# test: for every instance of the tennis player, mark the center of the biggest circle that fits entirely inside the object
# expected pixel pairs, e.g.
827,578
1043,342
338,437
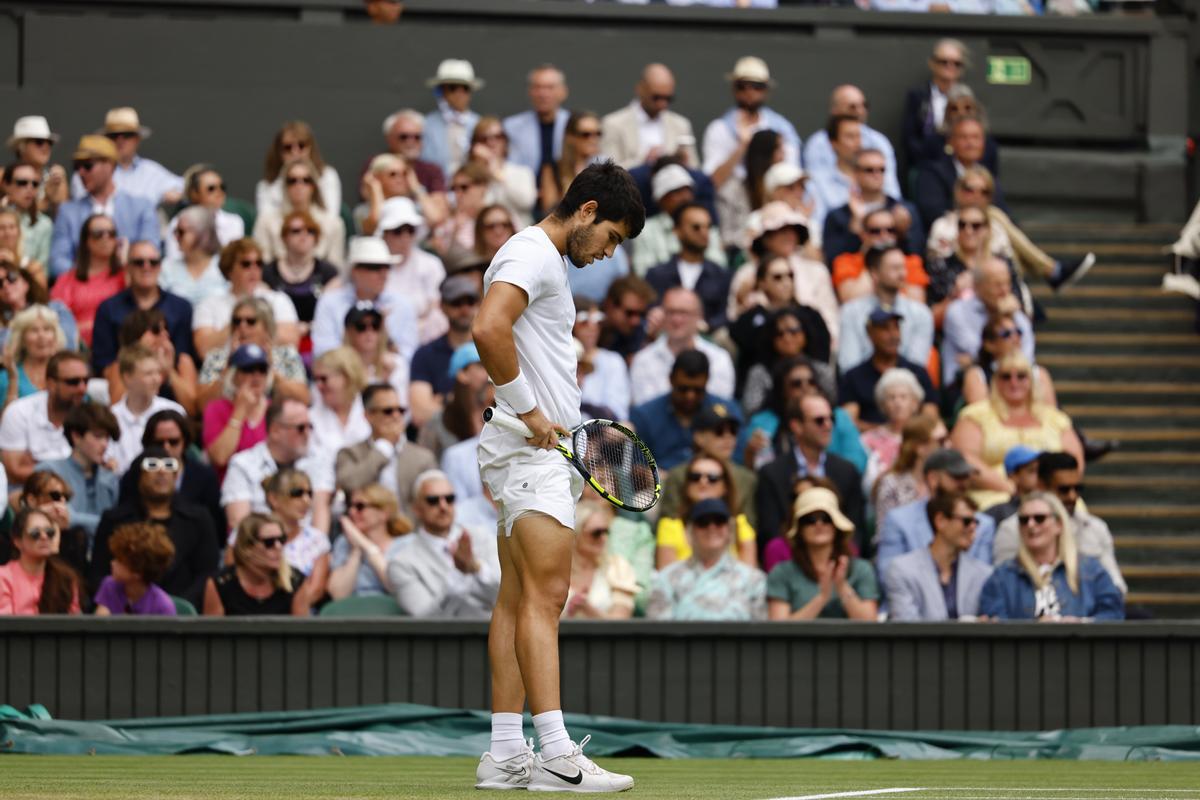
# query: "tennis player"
523,332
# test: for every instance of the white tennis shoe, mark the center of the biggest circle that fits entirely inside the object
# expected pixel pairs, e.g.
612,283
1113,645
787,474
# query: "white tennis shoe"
575,772
511,773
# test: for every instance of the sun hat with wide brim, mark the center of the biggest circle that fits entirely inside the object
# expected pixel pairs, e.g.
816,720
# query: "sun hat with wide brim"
458,71
819,499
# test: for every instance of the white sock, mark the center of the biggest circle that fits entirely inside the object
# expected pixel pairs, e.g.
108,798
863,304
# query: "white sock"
508,738
552,734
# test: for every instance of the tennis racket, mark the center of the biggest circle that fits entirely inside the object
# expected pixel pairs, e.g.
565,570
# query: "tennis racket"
609,456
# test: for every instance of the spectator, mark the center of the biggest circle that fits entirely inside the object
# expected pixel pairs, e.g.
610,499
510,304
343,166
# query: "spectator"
387,457
416,273
907,528
205,187
22,180
665,422
1059,474
1001,336
34,337
607,384
50,493
390,176
19,290
89,429
962,328
646,129
233,424
512,185
843,228
290,498
961,102
37,582
898,395
134,175
493,228
942,582
783,337
157,500
448,128
97,274
986,430
304,193
852,278
462,417
287,444
776,230
691,268
260,581
737,199
904,481
12,242
141,555
626,330
130,218
1050,580
866,318
364,334
404,133
672,188
444,570
142,376
727,138
193,272
859,392
925,105
337,412
431,376
31,430
714,435
535,137
369,264
820,156
787,183
454,239
295,141
810,423
384,12
580,147
32,141
253,324
1021,465
298,272
460,461
242,263
834,181
934,194
951,278
823,578
603,582
710,585
650,368
373,531
707,476
197,482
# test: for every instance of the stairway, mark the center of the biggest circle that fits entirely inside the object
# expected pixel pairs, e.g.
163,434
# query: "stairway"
1126,364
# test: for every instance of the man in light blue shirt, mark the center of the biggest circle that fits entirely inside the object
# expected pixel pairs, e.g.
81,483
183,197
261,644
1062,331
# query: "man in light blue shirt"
90,428
834,181
135,175
887,268
962,328
448,130
848,100
370,262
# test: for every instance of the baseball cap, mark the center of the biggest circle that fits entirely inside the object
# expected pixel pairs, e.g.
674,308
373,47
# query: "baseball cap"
711,507
248,355
714,416
1019,456
464,356
457,287
784,173
668,179
883,315
949,461
361,310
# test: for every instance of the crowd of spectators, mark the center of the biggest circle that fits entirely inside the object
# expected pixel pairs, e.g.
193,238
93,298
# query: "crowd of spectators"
273,407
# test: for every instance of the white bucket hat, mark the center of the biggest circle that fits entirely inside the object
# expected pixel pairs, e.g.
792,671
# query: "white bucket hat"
369,250
31,128
455,70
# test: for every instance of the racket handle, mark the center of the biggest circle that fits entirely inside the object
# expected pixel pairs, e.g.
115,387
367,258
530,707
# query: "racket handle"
506,422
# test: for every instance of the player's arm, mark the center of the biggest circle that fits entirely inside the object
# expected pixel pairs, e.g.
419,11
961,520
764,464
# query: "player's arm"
493,331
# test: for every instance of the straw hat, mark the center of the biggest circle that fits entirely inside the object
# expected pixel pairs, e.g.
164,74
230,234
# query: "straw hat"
819,499
123,120
455,70
751,68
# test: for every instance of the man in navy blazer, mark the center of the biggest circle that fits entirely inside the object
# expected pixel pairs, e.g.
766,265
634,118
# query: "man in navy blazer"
935,179
689,267
940,582
95,161
925,105
535,136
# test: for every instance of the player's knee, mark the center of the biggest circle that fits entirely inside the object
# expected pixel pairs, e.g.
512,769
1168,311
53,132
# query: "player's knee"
550,595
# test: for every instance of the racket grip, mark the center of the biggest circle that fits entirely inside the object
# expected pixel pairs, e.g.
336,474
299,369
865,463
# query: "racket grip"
506,422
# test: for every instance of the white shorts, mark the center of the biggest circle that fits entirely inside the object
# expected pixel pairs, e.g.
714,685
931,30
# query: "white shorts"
524,479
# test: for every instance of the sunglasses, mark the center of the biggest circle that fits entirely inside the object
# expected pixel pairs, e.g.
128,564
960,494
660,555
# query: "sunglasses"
37,534
709,521
84,166
293,180
73,381
103,233
1007,333
10,278
153,464
588,134
699,226
462,187
1012,375
145,262
890,231
117,135
251,263
823,420
436,499
975,226
1069,489
389,411
779,277
597,533
409,137
300,491
238,322
463,302
364,325
289,147
271,542
401,230
213,188
726,429
705,477
872,170
662,98
40,142
300,231
455,87
800,383
968,521
23,183
360,506
170,442
498,225
741,86
633,312
948,62
1036,519
976,189
56,496
816,517
298,427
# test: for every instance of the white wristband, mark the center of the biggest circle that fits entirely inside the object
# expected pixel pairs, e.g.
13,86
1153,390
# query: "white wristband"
517,395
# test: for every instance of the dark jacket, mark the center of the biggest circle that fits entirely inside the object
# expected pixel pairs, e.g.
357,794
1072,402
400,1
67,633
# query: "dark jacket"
755,346
923,141
774,496
191,531
712,287
838,238
1009,593
935,188
200,487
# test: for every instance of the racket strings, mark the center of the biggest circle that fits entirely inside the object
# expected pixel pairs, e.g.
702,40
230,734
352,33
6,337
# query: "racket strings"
617,463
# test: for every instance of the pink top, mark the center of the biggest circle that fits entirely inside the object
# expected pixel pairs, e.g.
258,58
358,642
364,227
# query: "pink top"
20,591
84,297
216,417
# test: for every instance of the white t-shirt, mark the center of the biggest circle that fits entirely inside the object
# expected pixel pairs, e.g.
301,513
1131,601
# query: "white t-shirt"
26,426
215,311
545,347
127,448
248,469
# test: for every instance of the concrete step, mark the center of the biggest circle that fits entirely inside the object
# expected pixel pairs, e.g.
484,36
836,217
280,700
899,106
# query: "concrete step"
1166,605
1047,234
1119,318
1141,413
1125,463
1051,341
1141,252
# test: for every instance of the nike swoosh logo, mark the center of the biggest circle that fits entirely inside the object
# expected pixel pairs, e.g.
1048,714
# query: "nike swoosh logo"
518,771
575,780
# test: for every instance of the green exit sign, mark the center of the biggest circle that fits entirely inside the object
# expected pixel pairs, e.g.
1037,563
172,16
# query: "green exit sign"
1009,70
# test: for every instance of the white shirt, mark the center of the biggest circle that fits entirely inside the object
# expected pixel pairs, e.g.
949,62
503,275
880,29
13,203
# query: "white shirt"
329,320
650,372
230,227
545,346
937,103
419,278
329,434
26,427
143,178
248,469
132,425
650,131
689,273
460,462
215,311
720,141
269,196
387,476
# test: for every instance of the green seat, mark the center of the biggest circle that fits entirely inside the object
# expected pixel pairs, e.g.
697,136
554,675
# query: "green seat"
184,608
243,209
372,605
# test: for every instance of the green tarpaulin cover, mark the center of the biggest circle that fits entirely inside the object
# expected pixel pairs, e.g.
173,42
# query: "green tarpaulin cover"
412,730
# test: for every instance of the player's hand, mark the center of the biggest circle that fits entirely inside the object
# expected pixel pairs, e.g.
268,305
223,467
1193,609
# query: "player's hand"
545,433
